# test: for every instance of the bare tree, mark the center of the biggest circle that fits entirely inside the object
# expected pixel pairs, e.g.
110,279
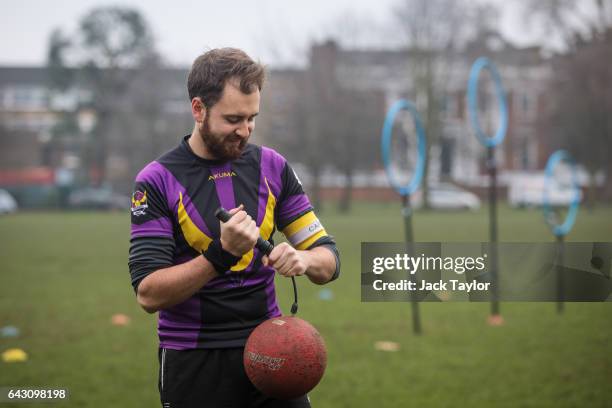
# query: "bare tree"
581,87
60,79
60,75
581,105
319,90
434,31
357,120
571,20
115,42
108,51
344,120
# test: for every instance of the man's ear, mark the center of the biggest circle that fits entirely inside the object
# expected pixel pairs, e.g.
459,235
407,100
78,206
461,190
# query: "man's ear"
198,109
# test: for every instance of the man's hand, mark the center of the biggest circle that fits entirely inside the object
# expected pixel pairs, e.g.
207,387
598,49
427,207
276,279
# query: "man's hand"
287,260
240,233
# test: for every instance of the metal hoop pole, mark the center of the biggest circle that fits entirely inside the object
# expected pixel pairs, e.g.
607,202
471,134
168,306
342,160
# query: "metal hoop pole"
408,233
492,166
406,190
560,277
489,142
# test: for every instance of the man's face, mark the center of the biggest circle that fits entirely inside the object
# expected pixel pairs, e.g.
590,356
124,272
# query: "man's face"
227,126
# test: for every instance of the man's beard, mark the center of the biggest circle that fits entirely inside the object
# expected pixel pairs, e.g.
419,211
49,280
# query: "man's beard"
222,147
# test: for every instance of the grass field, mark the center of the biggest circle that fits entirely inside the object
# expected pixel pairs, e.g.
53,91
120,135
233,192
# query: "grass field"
64,275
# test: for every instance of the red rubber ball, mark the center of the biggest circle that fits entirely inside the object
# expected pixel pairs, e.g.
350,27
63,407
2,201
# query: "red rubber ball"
285,357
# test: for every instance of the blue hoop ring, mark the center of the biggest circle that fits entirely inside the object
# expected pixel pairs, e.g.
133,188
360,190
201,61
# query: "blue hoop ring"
570,218
472,97
386,136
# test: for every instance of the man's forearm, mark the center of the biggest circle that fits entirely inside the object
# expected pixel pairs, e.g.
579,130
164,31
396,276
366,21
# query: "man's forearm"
321,264
170,286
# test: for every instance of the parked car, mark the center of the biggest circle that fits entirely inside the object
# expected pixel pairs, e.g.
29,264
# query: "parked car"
449,197
98,199
446,196
7,203
529,192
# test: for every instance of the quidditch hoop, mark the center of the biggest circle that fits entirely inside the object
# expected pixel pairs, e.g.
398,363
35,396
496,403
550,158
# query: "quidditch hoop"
570,218
472,96
387,133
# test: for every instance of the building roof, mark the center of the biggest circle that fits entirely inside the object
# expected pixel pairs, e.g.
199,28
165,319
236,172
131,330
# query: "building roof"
26,75
30,75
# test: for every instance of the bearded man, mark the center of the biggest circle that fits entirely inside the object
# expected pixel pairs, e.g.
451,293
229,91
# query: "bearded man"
208,282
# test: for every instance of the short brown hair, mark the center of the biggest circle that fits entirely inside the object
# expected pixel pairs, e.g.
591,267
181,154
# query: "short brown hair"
211,70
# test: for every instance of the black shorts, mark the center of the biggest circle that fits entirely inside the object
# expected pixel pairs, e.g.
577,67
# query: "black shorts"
211,378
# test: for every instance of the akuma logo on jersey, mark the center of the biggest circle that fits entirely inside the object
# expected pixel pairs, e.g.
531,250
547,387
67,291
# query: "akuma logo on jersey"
139,202
221,174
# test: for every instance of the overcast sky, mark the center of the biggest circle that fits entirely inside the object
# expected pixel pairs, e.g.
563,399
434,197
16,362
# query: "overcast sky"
276,32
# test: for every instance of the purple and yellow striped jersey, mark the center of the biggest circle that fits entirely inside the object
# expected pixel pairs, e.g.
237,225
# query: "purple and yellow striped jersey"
173,221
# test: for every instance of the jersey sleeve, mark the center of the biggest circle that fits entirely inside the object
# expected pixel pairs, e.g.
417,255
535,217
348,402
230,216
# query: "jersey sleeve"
296,218
151,242
150,213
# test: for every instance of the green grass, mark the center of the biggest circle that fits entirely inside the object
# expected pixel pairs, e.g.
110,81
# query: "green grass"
64,275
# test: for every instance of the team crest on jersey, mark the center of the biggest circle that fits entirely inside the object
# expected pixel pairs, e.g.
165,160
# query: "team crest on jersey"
139,202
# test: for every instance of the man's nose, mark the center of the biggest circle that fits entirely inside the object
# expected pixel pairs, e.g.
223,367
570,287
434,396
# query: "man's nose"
244,130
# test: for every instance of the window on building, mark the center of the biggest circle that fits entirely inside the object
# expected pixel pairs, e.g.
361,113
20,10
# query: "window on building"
26,98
